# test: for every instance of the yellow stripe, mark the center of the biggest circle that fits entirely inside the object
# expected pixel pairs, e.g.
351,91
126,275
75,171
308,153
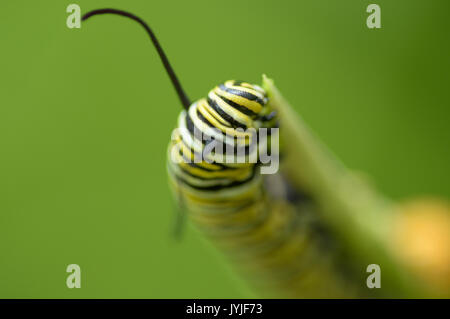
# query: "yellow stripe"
235,114
246,87
235,175
253,106
245,137
190,155
203,106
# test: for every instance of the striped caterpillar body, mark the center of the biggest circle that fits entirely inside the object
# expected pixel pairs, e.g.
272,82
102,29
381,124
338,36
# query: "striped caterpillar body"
274,244
229,109
277,242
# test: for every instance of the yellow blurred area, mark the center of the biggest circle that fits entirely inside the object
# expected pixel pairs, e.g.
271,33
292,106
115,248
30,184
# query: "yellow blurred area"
422,241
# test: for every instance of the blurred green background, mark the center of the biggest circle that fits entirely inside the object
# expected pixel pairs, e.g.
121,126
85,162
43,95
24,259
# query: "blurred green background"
86,116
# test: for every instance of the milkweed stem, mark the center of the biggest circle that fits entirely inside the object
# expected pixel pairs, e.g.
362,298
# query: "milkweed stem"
357,214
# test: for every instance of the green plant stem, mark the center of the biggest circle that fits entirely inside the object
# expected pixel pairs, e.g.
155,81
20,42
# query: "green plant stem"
359,216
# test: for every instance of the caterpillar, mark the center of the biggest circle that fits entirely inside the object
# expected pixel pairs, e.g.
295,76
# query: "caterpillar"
278,245
268,228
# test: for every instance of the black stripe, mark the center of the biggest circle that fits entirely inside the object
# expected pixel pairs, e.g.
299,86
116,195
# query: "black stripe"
218,187
192,151
201,177
205,120
247,95
247,148
213,104
222,168
207,139
192,164
192,128
237,106
208,170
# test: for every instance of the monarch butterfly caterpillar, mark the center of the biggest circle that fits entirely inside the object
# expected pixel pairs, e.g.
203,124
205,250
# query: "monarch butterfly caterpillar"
279,245
231,203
